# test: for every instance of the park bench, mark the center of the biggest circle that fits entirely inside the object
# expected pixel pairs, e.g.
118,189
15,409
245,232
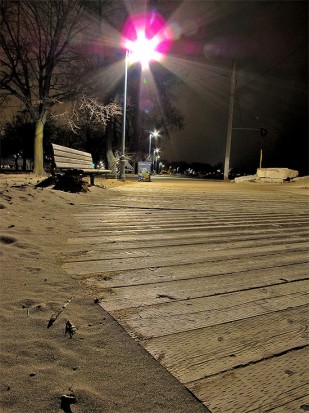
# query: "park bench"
74,162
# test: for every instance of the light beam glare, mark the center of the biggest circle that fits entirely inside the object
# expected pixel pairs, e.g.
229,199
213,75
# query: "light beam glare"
187,19
110,36
152,91
133,7
110,77
206,80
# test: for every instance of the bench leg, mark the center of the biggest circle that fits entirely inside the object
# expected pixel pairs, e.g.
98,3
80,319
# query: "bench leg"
91,179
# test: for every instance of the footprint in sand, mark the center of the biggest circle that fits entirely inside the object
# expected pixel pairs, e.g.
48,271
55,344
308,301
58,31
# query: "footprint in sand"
4,239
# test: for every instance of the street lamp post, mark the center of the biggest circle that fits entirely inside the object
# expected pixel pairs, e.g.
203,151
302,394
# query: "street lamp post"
149,152
157,164
123,145
154,133
141,48
230,124
156,156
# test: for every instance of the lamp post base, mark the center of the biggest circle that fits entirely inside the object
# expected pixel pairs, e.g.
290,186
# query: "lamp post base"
122,168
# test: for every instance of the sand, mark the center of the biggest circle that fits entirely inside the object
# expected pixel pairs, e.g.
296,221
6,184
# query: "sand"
100,368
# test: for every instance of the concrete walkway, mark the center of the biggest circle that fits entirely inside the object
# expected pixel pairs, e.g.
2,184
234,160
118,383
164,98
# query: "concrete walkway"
212,280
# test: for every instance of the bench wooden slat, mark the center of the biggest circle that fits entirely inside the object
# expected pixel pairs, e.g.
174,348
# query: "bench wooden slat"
69,151
96,171
65,158
72,163
66,155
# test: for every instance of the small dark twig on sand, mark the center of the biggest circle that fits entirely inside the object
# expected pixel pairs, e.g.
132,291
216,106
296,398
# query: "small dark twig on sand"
54,317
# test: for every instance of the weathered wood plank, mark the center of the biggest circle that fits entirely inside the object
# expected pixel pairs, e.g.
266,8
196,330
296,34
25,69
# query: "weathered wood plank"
264,295
117,261
106,220
192,355
300,405
220,225
94,239
178,316
227,208
182,247
141,295
109,279
257,387
142,211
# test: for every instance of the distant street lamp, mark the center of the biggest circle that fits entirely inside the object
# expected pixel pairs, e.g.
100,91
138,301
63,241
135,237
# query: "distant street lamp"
157,163
156,156
154,134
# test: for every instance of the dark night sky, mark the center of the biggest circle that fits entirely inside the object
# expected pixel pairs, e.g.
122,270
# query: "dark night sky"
268,39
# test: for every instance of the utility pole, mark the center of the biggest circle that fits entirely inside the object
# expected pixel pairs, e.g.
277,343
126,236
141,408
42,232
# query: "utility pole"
230,124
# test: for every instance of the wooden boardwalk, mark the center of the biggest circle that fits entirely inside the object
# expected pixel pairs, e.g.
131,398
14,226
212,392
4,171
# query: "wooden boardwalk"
212,279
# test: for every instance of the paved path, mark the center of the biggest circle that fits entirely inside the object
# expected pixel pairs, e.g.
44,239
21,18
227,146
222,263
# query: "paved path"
212,279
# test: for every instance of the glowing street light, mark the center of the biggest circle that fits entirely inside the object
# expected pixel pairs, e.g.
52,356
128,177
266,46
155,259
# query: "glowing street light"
145,38
156,158
154,134
143,50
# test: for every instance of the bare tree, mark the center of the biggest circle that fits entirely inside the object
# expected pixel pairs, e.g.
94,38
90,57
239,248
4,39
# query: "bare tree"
38,55
91,114
44,61
88,109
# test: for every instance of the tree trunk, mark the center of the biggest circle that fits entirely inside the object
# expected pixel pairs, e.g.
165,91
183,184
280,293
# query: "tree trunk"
38,168
16,162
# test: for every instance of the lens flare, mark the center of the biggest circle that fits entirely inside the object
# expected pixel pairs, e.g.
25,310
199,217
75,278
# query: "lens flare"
147,37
